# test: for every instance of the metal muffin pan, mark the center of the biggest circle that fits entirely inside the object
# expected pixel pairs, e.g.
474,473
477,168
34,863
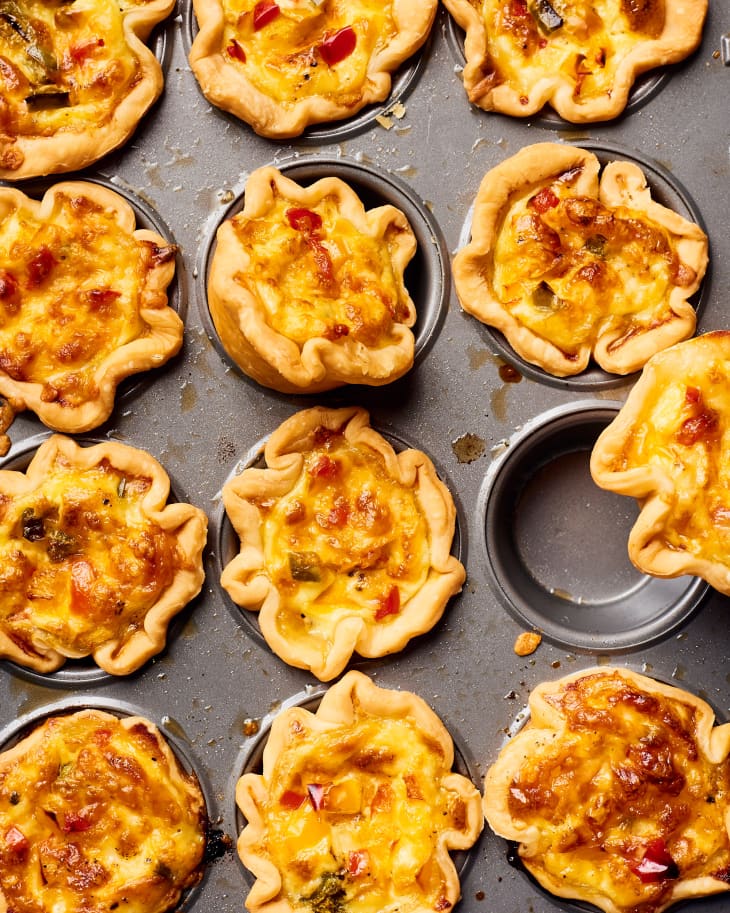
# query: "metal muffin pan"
188,163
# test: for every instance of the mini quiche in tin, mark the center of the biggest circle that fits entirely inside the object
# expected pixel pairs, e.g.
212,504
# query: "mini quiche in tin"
345,544
306,288
357,807
93,560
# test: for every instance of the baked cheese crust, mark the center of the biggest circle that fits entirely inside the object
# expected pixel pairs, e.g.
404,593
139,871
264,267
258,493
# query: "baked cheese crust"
75,78
83,302
281,66
580,56
93,561
668,447
617,792
357,807
569,265
345,545
306,287
97,814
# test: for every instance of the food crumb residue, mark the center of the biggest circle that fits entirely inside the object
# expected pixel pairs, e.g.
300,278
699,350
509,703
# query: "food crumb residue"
527,643
468,447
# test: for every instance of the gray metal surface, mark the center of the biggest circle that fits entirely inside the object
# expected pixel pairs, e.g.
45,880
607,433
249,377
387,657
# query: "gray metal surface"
200,417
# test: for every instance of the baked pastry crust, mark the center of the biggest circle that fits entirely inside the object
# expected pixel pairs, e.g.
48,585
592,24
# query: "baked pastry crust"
357,801
75,82
617,792
581,58
570,266
345,545
284,66
306,287
668,448
94,560
83,302
103,808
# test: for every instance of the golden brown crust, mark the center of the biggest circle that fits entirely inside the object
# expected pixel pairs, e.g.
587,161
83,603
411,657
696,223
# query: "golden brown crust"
104,808
82,545
306,89
355,294
515,67
616,791
535,218
68,144
125,268
345,545
667,448
355,707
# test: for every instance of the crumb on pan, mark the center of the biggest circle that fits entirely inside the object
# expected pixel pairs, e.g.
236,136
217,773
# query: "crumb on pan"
527,643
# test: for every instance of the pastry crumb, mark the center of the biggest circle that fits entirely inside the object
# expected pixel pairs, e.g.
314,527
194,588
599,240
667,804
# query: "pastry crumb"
398,110
384,121
527,643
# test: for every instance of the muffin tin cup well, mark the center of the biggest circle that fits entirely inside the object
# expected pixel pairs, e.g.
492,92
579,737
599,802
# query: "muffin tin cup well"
226,545
79,673
556,544
427,276
666,190
14,732
250,760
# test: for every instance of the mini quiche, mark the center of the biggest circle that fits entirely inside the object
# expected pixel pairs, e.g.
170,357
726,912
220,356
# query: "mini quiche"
75,79
83,302
345,544
617,792
569,265
580,56
306,288
669,447
93,560
282,66
357,807
97,814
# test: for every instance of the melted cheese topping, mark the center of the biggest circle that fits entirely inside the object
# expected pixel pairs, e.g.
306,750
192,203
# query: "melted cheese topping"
71,289
623,785
63,66
348,539
683,431
283,58
331,281
80,563
570,269
587,49
354,815
94,818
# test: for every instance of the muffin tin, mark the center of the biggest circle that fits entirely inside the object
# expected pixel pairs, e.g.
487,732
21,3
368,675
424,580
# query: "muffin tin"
511,443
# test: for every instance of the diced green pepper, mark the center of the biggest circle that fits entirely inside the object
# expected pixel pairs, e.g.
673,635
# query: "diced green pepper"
304,566
545,15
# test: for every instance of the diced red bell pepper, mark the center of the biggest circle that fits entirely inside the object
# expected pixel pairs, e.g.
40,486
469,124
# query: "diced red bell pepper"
40,266
235,51
389,605
543,200
16,841
264,12
338,46
304,220
324,467
316,795
656,864
291,799
76,822
358,862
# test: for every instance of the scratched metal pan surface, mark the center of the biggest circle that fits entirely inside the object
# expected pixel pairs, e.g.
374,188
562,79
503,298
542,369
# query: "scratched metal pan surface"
493,432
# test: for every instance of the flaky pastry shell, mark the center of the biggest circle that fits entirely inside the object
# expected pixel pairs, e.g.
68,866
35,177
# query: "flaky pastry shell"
95,561
668,447
305,63
304,309
616,791
345,544
108,77
518,59
568,265
104,808
368,754
85,292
